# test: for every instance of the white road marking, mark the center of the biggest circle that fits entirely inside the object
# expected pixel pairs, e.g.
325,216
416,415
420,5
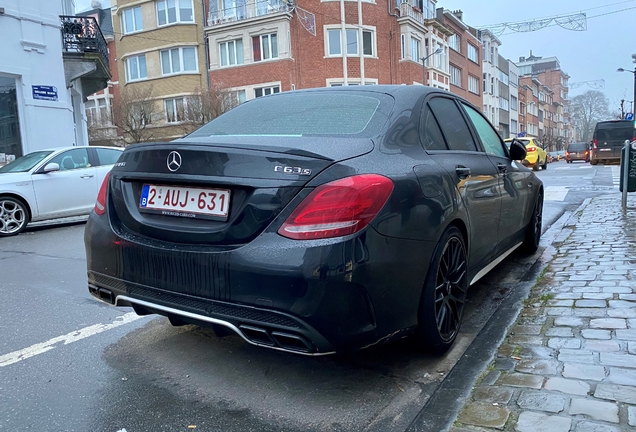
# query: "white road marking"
555,193
616,176
40,348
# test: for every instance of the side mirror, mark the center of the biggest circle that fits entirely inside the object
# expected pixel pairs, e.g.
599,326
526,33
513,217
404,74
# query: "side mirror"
50,167
517,150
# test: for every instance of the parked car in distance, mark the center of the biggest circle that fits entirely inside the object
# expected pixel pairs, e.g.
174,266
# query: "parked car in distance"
555,155
577,151
51,184
608,140
536,157
334,219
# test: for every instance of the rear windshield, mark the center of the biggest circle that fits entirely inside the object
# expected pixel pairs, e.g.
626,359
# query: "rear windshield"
301,113
614,131
577,146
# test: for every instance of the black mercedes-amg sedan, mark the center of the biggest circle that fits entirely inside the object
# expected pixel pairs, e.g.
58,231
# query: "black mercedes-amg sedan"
316,221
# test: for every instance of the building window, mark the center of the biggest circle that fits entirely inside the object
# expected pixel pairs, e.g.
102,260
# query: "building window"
403,46
472,53
455,76
473,84
503,77
131,20
334,45
178,60
98,112
455,42
174,110
513,127
236,97
173,11
351,82
514,79
265,47
503,103
264,91
415,50
513,103
231,52
135,68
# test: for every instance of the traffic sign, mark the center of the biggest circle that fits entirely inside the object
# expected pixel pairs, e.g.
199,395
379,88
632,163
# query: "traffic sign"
629,116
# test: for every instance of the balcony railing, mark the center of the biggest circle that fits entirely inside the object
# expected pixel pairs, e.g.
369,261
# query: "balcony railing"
83,35
408,10
242,10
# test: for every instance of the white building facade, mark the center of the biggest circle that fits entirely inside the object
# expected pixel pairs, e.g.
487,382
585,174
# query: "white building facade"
41,88
490,63
513,86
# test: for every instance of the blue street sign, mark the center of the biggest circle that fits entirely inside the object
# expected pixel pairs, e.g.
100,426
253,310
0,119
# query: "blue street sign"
43,92
521,134
629,116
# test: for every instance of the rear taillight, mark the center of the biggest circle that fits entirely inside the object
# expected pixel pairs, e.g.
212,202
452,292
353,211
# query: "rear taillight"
531,149
100,204
338,208
595,143
586,152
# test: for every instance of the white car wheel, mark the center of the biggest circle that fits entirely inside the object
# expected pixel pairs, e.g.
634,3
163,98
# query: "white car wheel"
13,216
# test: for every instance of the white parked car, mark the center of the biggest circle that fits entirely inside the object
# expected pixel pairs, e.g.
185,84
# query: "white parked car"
51,184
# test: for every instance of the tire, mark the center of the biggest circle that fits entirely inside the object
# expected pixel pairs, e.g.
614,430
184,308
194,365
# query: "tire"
594,162
14,216
444,294
545,165
535,167
533,230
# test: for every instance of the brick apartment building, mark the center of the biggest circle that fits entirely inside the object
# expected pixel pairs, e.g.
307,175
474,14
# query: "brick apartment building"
549,86
161,53
465,58
260,47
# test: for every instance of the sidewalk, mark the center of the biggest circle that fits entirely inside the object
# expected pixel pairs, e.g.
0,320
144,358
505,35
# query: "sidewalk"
569,361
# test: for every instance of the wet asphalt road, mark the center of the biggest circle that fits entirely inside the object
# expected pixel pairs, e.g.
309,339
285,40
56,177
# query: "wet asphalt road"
67,364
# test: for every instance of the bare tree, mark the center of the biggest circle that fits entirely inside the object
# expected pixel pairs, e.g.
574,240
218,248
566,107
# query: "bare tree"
133,112
206,104
586,110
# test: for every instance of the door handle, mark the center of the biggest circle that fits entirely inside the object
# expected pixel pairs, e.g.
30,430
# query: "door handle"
86,176
462,171
502,167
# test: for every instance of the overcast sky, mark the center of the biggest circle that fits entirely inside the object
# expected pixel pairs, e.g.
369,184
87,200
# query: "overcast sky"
594,54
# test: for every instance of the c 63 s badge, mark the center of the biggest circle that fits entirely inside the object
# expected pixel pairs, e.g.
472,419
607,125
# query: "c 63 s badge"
292,170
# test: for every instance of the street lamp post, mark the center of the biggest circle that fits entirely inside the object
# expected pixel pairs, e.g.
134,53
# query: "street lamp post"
437,51
634,72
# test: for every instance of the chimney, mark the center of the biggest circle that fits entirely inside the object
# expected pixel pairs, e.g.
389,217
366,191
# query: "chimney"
459,14
522,59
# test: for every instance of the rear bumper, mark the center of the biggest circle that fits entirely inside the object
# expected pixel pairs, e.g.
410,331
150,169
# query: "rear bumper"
310,297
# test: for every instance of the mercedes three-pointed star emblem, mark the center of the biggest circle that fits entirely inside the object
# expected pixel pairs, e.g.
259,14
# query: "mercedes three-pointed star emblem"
174,161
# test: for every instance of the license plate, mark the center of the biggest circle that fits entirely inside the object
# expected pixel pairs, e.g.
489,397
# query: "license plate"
605,149
185,201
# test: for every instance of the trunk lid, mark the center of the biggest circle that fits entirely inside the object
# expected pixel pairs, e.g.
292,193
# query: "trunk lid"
257,181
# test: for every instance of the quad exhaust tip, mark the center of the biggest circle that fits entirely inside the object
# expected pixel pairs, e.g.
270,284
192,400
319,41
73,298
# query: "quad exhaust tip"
287,341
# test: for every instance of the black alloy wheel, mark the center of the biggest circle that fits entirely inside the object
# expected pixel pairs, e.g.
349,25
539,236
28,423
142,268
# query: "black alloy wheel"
533,232
13,216
444,294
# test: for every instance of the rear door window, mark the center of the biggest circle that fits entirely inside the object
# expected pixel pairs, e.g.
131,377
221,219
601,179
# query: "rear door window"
490,139
452,123
108,156
431,134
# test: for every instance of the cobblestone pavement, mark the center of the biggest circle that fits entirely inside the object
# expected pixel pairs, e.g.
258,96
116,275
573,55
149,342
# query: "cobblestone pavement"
569,361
